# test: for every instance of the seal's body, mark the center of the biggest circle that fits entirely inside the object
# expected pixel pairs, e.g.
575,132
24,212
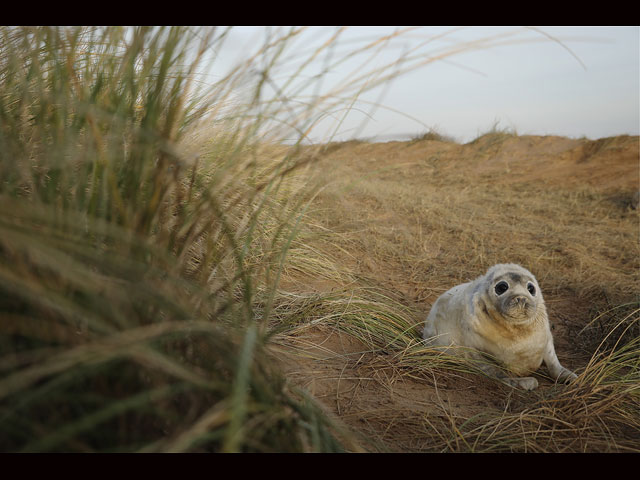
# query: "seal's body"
501,314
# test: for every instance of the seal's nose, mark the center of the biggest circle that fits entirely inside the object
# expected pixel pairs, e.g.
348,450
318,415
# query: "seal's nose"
520,300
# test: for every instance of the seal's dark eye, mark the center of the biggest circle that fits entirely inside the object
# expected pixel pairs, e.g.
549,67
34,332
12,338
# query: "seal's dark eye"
501,287
531,288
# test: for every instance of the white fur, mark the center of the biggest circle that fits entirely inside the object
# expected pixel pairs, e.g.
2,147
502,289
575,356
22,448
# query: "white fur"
512,327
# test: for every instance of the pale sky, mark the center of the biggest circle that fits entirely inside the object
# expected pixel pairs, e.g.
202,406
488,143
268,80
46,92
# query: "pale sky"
587,85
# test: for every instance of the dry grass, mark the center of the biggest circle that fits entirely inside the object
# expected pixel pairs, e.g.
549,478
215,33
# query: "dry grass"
397,224
148,219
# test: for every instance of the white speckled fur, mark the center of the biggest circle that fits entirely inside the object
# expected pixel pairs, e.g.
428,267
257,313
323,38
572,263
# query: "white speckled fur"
512,327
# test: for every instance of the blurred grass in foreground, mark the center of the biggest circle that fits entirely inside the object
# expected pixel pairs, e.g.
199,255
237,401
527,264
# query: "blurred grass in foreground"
137,225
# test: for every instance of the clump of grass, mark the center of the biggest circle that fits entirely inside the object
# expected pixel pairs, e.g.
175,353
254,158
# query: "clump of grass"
136,224
431,135
494,136
610,328
381,323
596,413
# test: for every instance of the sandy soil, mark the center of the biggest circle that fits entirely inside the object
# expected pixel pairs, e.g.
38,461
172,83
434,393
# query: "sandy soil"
415,218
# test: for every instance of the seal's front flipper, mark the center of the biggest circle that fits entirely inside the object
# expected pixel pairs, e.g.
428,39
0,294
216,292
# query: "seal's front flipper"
526,383
557,371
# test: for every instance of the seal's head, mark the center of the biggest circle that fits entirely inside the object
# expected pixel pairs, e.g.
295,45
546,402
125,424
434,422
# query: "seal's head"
513,292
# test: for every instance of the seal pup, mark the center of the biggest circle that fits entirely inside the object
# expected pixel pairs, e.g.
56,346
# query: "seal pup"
501,314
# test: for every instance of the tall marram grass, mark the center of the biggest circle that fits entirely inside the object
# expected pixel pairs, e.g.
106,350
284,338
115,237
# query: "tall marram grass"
139,220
